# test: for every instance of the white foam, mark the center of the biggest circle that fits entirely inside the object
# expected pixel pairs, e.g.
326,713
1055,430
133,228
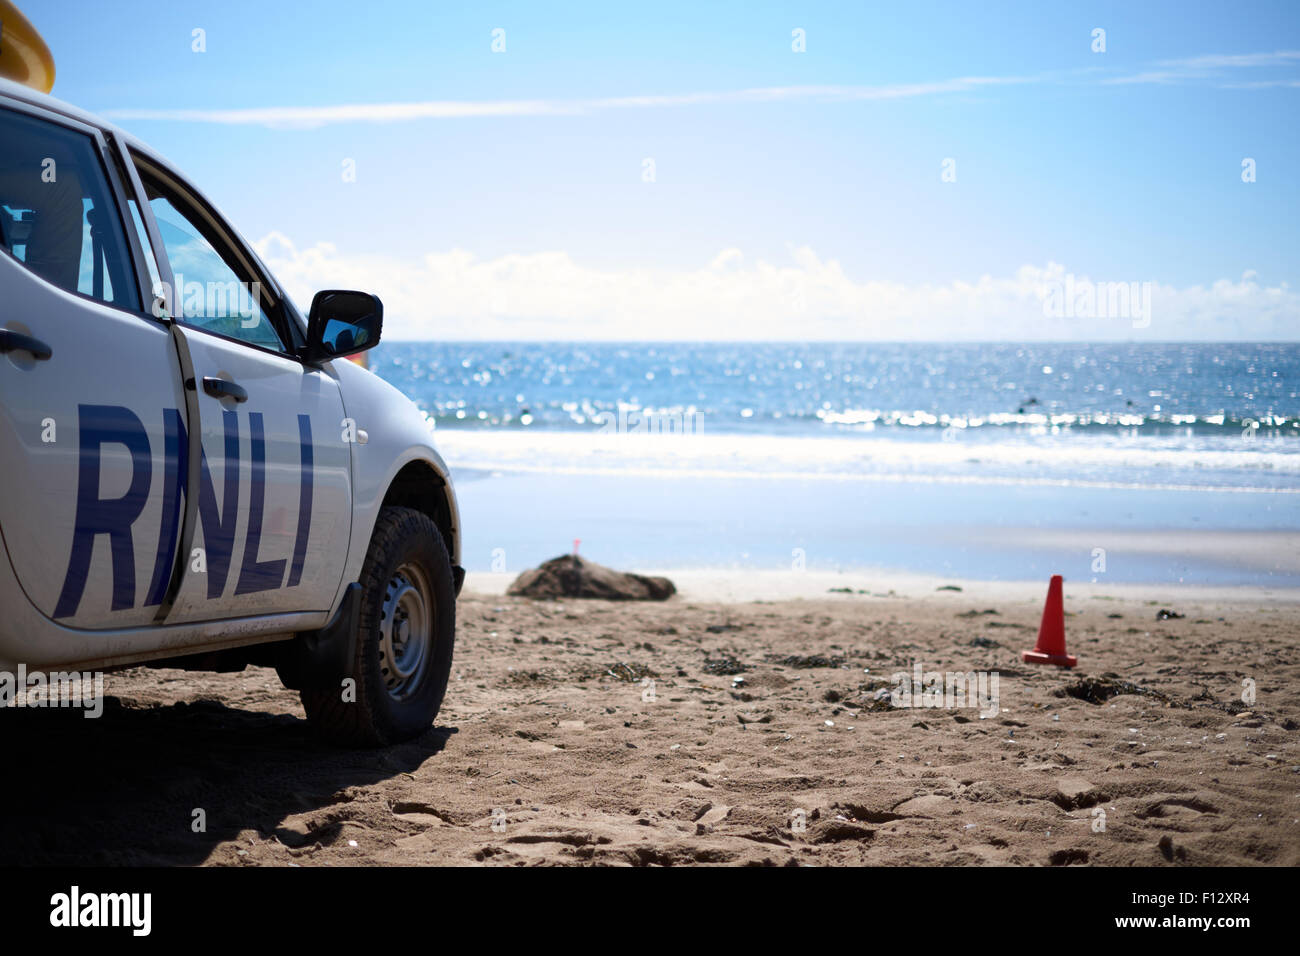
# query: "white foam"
1110,461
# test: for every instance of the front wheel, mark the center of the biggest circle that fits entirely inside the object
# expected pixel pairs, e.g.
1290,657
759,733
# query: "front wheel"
405,640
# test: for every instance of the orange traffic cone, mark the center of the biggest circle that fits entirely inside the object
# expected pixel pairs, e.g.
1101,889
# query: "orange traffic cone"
1050,648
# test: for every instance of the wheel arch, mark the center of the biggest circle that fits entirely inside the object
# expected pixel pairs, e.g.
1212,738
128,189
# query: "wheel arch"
420,485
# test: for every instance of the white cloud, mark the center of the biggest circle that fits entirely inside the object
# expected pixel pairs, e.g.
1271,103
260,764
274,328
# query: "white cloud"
1263,85
1153,76
307,117
1223,60
548,295
310,117
1212,65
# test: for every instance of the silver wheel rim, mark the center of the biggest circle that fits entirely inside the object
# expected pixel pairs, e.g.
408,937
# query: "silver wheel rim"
405,631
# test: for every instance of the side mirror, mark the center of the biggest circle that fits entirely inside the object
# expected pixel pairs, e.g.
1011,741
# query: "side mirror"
342,323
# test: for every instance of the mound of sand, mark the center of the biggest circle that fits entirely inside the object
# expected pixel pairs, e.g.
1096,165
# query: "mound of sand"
570,576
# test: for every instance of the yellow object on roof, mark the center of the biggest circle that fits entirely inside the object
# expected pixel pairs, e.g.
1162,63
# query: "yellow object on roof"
24,57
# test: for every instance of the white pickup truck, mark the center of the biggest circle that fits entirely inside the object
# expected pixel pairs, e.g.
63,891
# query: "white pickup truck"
190,473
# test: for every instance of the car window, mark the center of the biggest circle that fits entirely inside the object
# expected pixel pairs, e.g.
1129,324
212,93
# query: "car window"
210,292
57,213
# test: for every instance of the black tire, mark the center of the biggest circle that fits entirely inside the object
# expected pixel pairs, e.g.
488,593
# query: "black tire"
396,698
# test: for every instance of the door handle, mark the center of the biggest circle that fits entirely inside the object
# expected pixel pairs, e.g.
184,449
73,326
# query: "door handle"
222,388
11,341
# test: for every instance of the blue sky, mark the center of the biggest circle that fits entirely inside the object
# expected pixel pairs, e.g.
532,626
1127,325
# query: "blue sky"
812,208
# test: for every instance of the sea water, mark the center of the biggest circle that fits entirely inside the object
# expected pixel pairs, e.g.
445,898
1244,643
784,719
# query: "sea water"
992,461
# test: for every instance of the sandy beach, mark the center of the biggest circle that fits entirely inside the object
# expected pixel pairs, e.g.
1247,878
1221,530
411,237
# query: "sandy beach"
742,722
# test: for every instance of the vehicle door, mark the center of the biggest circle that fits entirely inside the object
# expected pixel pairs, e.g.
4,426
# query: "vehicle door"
274,503
89,383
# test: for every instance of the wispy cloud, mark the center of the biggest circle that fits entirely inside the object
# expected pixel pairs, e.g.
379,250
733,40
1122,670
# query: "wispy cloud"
315,116
1262,85
1214,61
1207,66
1212,66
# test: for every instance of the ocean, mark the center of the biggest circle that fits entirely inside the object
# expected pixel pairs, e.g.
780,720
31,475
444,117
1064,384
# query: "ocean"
981,461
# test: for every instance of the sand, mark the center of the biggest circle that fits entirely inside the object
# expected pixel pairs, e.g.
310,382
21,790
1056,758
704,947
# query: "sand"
553,749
